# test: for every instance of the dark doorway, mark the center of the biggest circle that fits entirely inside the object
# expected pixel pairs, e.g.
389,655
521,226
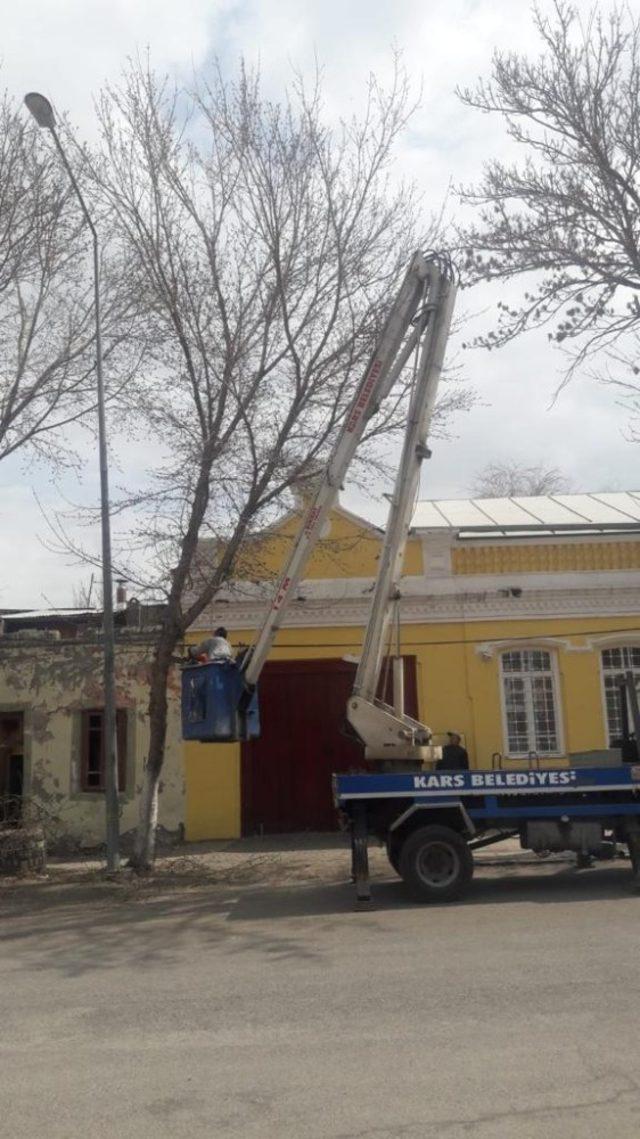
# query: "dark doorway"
286,774
11,764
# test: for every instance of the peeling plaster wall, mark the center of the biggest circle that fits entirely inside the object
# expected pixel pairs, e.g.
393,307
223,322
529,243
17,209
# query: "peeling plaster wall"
52,682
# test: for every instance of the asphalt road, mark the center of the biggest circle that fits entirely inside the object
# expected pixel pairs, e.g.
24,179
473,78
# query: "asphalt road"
261,1012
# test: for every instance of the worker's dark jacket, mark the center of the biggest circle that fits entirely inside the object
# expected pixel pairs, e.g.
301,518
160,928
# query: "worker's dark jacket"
454,758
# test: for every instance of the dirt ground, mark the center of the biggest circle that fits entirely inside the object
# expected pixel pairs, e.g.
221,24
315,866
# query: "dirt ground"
278,861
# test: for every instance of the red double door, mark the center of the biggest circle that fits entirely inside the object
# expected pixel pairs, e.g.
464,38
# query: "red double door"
286,774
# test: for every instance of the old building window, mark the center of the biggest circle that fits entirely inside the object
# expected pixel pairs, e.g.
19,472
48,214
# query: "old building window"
92,767
530,702
616,663
11,764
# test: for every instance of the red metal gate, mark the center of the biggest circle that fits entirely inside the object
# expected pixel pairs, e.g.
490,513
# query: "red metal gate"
286,774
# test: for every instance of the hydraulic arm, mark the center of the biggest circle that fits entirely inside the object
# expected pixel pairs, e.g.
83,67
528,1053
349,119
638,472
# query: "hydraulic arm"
415,334
389,735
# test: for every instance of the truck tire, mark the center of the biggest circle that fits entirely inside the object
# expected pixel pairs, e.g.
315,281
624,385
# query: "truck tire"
393,854
436,864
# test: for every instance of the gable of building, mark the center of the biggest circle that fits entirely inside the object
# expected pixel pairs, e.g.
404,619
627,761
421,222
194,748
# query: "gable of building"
349,547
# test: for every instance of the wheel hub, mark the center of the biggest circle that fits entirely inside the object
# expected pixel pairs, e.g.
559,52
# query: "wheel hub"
438,864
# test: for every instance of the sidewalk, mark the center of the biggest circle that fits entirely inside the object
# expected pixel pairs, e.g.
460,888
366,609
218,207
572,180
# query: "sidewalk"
271,861
305,842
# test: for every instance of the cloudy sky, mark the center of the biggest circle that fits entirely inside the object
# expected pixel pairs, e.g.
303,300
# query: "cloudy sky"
68,48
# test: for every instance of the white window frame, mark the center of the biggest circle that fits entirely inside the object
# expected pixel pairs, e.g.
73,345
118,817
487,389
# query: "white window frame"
555,693
622,644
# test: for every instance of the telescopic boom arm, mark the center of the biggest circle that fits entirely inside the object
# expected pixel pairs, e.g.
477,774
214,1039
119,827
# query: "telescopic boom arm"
417,325
387,733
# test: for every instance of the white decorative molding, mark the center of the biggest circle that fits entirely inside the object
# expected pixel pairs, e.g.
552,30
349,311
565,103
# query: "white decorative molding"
436,555
463,540
431,608
612,640
487,650
424,585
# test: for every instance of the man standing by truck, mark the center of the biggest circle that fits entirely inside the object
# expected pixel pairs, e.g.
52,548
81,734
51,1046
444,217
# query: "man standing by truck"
454,755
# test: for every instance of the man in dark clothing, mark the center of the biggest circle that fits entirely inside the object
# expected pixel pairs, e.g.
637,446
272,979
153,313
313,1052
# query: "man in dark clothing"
454,755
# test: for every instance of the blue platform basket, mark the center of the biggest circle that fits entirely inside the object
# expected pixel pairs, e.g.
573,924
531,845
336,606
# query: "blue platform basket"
216,706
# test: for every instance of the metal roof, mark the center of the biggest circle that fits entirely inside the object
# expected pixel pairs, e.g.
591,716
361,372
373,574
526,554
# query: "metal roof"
528,514
38,614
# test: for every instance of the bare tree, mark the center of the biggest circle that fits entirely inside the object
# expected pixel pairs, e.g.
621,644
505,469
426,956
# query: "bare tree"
566,218
47,352
263,245
86,594
509,478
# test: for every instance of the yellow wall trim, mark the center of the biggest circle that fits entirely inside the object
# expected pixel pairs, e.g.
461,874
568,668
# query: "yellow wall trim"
547,558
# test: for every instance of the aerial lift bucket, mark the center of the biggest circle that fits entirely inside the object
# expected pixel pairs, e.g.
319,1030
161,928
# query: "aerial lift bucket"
217,706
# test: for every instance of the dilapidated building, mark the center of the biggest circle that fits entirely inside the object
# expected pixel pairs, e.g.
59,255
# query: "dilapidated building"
51,717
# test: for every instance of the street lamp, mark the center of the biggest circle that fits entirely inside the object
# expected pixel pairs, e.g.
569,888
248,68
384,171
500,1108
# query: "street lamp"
42,112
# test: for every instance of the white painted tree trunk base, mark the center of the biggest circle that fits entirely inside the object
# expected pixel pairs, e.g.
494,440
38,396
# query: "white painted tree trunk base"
145,841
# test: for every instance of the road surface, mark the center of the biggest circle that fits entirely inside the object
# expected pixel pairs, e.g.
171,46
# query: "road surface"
275,1011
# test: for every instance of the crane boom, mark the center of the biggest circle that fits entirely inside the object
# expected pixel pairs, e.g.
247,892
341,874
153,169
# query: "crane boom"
437,312
403,332
219,700
387,732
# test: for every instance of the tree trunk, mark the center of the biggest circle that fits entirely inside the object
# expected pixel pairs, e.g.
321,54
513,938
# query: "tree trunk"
145,840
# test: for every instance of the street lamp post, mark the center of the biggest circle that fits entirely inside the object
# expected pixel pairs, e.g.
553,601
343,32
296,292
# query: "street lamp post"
42,112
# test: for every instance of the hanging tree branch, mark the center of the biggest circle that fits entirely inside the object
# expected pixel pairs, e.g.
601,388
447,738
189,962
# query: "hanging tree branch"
566,218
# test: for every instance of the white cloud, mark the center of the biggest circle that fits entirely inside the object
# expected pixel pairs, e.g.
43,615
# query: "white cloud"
68,48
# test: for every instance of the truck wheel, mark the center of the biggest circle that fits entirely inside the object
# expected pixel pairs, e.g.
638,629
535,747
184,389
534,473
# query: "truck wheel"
393,854
436,864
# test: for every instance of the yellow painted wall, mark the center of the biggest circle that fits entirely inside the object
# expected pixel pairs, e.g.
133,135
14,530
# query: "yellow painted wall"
457,689
212,774
347,550
460,690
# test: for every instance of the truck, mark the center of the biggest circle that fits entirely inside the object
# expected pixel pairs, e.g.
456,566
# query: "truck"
430,821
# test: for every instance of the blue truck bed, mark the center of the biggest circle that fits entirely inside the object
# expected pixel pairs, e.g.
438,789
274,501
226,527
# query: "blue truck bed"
573,804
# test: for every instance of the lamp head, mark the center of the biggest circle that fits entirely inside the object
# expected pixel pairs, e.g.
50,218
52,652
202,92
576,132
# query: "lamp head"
41,110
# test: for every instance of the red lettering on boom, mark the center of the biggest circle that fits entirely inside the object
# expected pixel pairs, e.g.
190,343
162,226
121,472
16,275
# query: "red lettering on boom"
311,520
281,594
364,395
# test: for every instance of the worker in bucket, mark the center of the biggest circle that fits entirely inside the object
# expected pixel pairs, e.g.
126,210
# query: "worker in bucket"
454,755
215,648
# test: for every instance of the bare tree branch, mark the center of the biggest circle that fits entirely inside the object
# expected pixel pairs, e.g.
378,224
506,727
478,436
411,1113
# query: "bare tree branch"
47,349
509,478
263,246
567,217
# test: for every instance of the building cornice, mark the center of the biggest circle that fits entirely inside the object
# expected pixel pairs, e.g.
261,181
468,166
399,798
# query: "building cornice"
434,608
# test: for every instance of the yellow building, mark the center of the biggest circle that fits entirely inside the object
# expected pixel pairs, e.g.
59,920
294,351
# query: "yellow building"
518,619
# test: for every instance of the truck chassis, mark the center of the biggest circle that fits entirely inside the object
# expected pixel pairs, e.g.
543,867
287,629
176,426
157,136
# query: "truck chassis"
431,821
